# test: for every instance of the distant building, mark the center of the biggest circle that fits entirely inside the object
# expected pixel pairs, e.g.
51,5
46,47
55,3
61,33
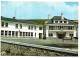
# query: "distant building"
56,27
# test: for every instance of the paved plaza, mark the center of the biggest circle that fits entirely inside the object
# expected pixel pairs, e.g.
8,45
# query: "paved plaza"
47,42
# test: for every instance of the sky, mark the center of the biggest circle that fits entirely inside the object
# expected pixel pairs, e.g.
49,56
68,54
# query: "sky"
39,10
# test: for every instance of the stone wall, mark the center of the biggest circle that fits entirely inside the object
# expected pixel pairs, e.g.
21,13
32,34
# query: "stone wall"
20,50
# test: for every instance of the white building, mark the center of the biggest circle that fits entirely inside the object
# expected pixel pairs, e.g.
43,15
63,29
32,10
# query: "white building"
11,27
57,27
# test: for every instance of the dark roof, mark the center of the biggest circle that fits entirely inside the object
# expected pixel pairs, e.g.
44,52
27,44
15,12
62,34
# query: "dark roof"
58,18
18,20
71,22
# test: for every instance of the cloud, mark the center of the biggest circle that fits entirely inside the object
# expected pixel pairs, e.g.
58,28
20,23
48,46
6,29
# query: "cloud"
62,6
16,3
3,5
39,10
70,11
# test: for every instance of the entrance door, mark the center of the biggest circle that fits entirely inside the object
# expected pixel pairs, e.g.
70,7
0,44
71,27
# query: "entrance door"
40,35
61,35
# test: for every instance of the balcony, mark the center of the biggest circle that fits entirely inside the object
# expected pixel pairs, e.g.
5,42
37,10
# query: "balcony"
61,30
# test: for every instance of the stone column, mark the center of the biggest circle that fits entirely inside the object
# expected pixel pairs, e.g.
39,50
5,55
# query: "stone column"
14,33
62,21
67,22
64,27
25,34
46,31
11,33
22,34
54,27
7,33
54,21
74,31
58,21
67,34
18,33
4,33
34,34
54,35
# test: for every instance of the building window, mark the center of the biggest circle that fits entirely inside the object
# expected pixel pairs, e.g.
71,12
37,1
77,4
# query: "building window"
16,25
20,26
50,35
23,33
40,28
54,27
31,33
12,33
6,24
9,32
20,33
6,33
2,24
65,21
28,33
35,27
70,35
29,27
60,27
69,28
56,21
60,21
50,27
2,32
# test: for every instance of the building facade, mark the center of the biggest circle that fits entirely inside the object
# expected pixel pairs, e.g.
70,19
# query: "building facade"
19,28
60,27
56,27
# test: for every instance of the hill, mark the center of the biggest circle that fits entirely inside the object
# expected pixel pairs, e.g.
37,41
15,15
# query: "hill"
39,21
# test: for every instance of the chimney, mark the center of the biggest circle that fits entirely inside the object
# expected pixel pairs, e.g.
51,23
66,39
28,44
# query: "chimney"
1,16
14,17
62,17
49,16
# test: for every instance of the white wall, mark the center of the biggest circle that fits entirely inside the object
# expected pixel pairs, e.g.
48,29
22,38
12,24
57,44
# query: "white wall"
54,35
67,35
47,31
11,27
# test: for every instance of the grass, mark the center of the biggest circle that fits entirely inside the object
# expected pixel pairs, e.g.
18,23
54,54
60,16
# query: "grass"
40,21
